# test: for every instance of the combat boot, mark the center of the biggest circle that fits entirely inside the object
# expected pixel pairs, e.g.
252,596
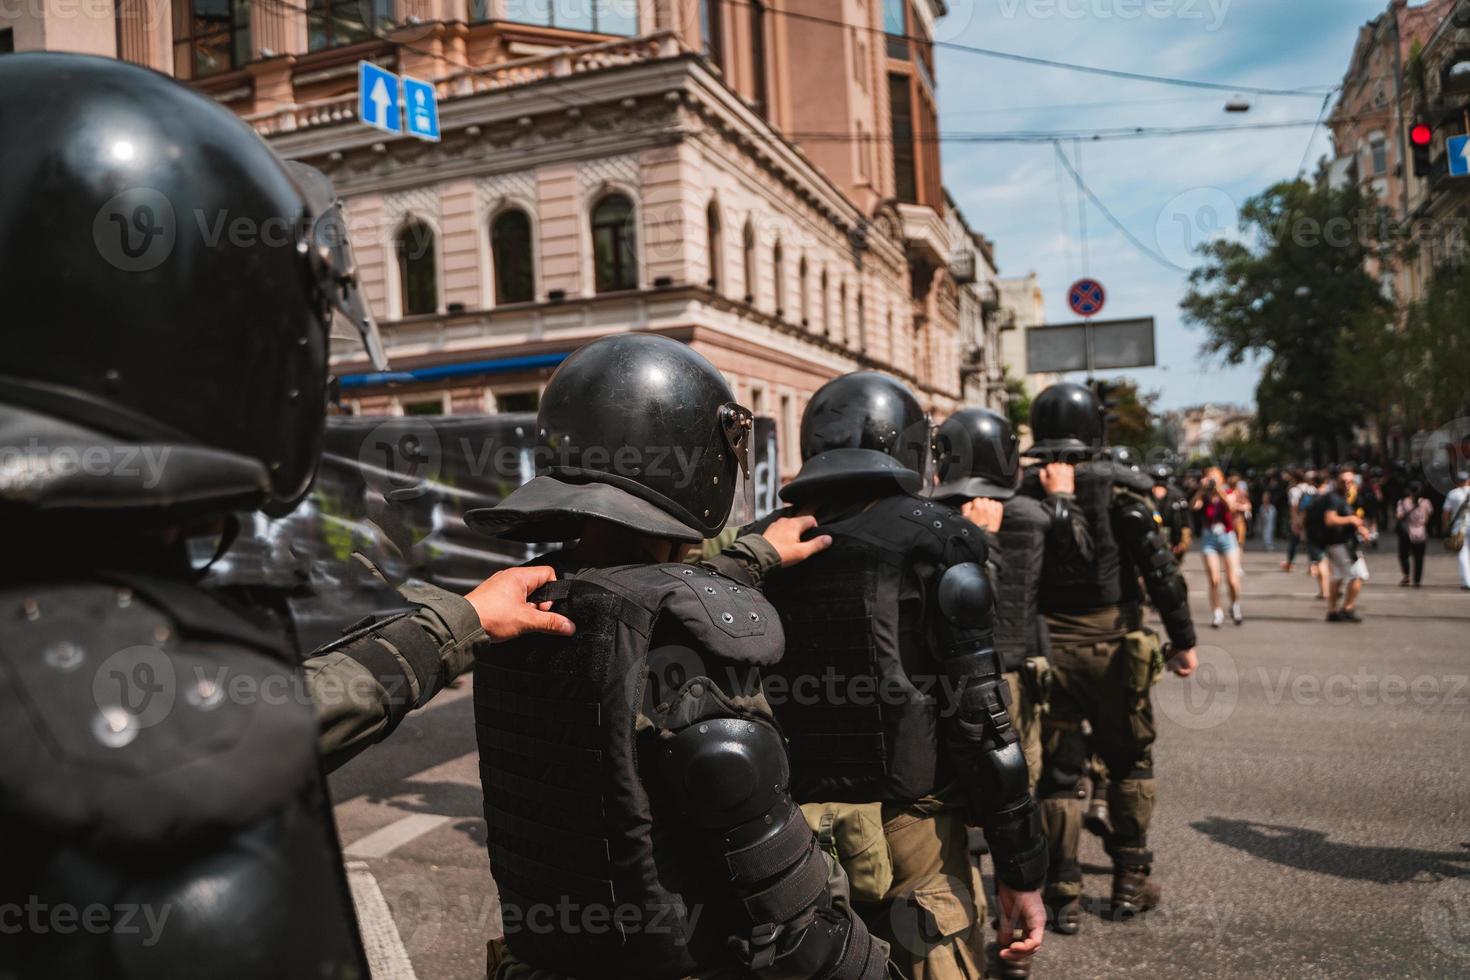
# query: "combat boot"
1017,970
1064,912
1133,891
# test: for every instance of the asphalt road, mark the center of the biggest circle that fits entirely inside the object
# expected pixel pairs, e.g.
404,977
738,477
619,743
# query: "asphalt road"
1313,816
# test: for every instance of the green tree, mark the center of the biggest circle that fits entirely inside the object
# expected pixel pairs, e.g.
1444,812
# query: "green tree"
1018,400
1131,420
1295,291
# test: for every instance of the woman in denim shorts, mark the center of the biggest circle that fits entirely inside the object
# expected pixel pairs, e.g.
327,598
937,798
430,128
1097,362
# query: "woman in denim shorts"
1218,543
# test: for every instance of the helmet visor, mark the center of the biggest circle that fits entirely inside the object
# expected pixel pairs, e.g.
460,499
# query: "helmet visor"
918,446
336,269
737,425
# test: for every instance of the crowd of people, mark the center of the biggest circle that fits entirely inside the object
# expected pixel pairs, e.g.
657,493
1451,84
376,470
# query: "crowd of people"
1333,515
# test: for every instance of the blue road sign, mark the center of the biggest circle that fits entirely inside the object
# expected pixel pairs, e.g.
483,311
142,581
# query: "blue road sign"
1086,297
377,98
422,107
1458,148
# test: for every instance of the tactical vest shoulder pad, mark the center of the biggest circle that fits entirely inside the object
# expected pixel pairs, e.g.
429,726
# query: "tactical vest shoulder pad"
1136,518
122,725
911,524
731,620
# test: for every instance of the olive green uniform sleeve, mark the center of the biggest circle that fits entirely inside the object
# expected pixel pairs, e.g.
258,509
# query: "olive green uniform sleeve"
365,683
748,560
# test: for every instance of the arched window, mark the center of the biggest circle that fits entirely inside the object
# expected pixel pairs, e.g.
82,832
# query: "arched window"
803,298
826,302
614,244
714,245
418,277
842,310
710,31
510,247
778,269
748,245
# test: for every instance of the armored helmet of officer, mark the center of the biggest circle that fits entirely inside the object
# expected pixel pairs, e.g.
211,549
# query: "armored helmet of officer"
860,430
138,317
637,430
1067,424
976,455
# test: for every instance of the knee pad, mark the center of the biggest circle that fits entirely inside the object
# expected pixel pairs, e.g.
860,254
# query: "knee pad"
1062,767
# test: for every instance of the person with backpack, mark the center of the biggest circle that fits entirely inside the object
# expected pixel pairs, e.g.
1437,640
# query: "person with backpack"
1413,513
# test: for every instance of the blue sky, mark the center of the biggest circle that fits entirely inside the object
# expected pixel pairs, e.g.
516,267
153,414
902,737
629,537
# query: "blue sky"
1158,188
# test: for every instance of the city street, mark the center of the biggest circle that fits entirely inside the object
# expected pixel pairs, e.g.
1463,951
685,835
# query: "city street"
1312,816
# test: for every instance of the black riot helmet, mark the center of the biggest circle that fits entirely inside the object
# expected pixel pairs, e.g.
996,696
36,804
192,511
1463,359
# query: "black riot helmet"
1124,457
977,455
638,430
1067,423
1161,473
164,287
862,428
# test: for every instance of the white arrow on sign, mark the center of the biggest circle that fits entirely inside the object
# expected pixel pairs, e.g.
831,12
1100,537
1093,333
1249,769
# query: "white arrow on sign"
381,98
1465,152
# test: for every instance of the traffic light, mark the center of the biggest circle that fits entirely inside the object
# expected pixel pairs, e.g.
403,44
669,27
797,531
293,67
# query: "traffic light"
1421,135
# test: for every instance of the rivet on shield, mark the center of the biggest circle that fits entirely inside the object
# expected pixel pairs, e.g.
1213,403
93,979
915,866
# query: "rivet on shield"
64,656
115,727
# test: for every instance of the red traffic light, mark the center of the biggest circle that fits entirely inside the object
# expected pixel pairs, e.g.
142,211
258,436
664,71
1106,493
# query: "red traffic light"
1421,134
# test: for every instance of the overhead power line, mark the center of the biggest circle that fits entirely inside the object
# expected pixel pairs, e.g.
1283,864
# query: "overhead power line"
1112,219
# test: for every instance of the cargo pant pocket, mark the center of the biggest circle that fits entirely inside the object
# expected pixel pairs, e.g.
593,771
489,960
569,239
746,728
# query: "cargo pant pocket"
853,834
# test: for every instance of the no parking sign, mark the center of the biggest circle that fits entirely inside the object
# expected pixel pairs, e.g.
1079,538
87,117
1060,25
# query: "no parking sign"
1086,297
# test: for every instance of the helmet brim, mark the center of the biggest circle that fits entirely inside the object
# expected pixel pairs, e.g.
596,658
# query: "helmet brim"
1054,450
552,510
850,468
186,482
971,487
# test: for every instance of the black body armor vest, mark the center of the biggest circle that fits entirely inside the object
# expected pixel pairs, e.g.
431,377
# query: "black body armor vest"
1020,632
160,762
1083,589
582,828
860,703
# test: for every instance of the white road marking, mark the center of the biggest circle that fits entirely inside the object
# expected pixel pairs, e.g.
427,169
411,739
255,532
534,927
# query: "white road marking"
383,842
387,959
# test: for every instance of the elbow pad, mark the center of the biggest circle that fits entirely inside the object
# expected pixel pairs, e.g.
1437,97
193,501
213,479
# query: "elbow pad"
730,776
1138,532
982,740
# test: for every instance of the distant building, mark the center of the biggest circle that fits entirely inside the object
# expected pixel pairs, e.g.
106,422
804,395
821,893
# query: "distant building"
1439,204
1196,431
1383,95
982,368
1023,306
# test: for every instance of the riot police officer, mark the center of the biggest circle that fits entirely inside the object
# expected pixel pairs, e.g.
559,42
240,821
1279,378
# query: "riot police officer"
154,383
1173,507
1104,661
894,699
979,470
636,788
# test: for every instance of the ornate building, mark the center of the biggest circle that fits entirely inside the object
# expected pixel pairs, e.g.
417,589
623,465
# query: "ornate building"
758,179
